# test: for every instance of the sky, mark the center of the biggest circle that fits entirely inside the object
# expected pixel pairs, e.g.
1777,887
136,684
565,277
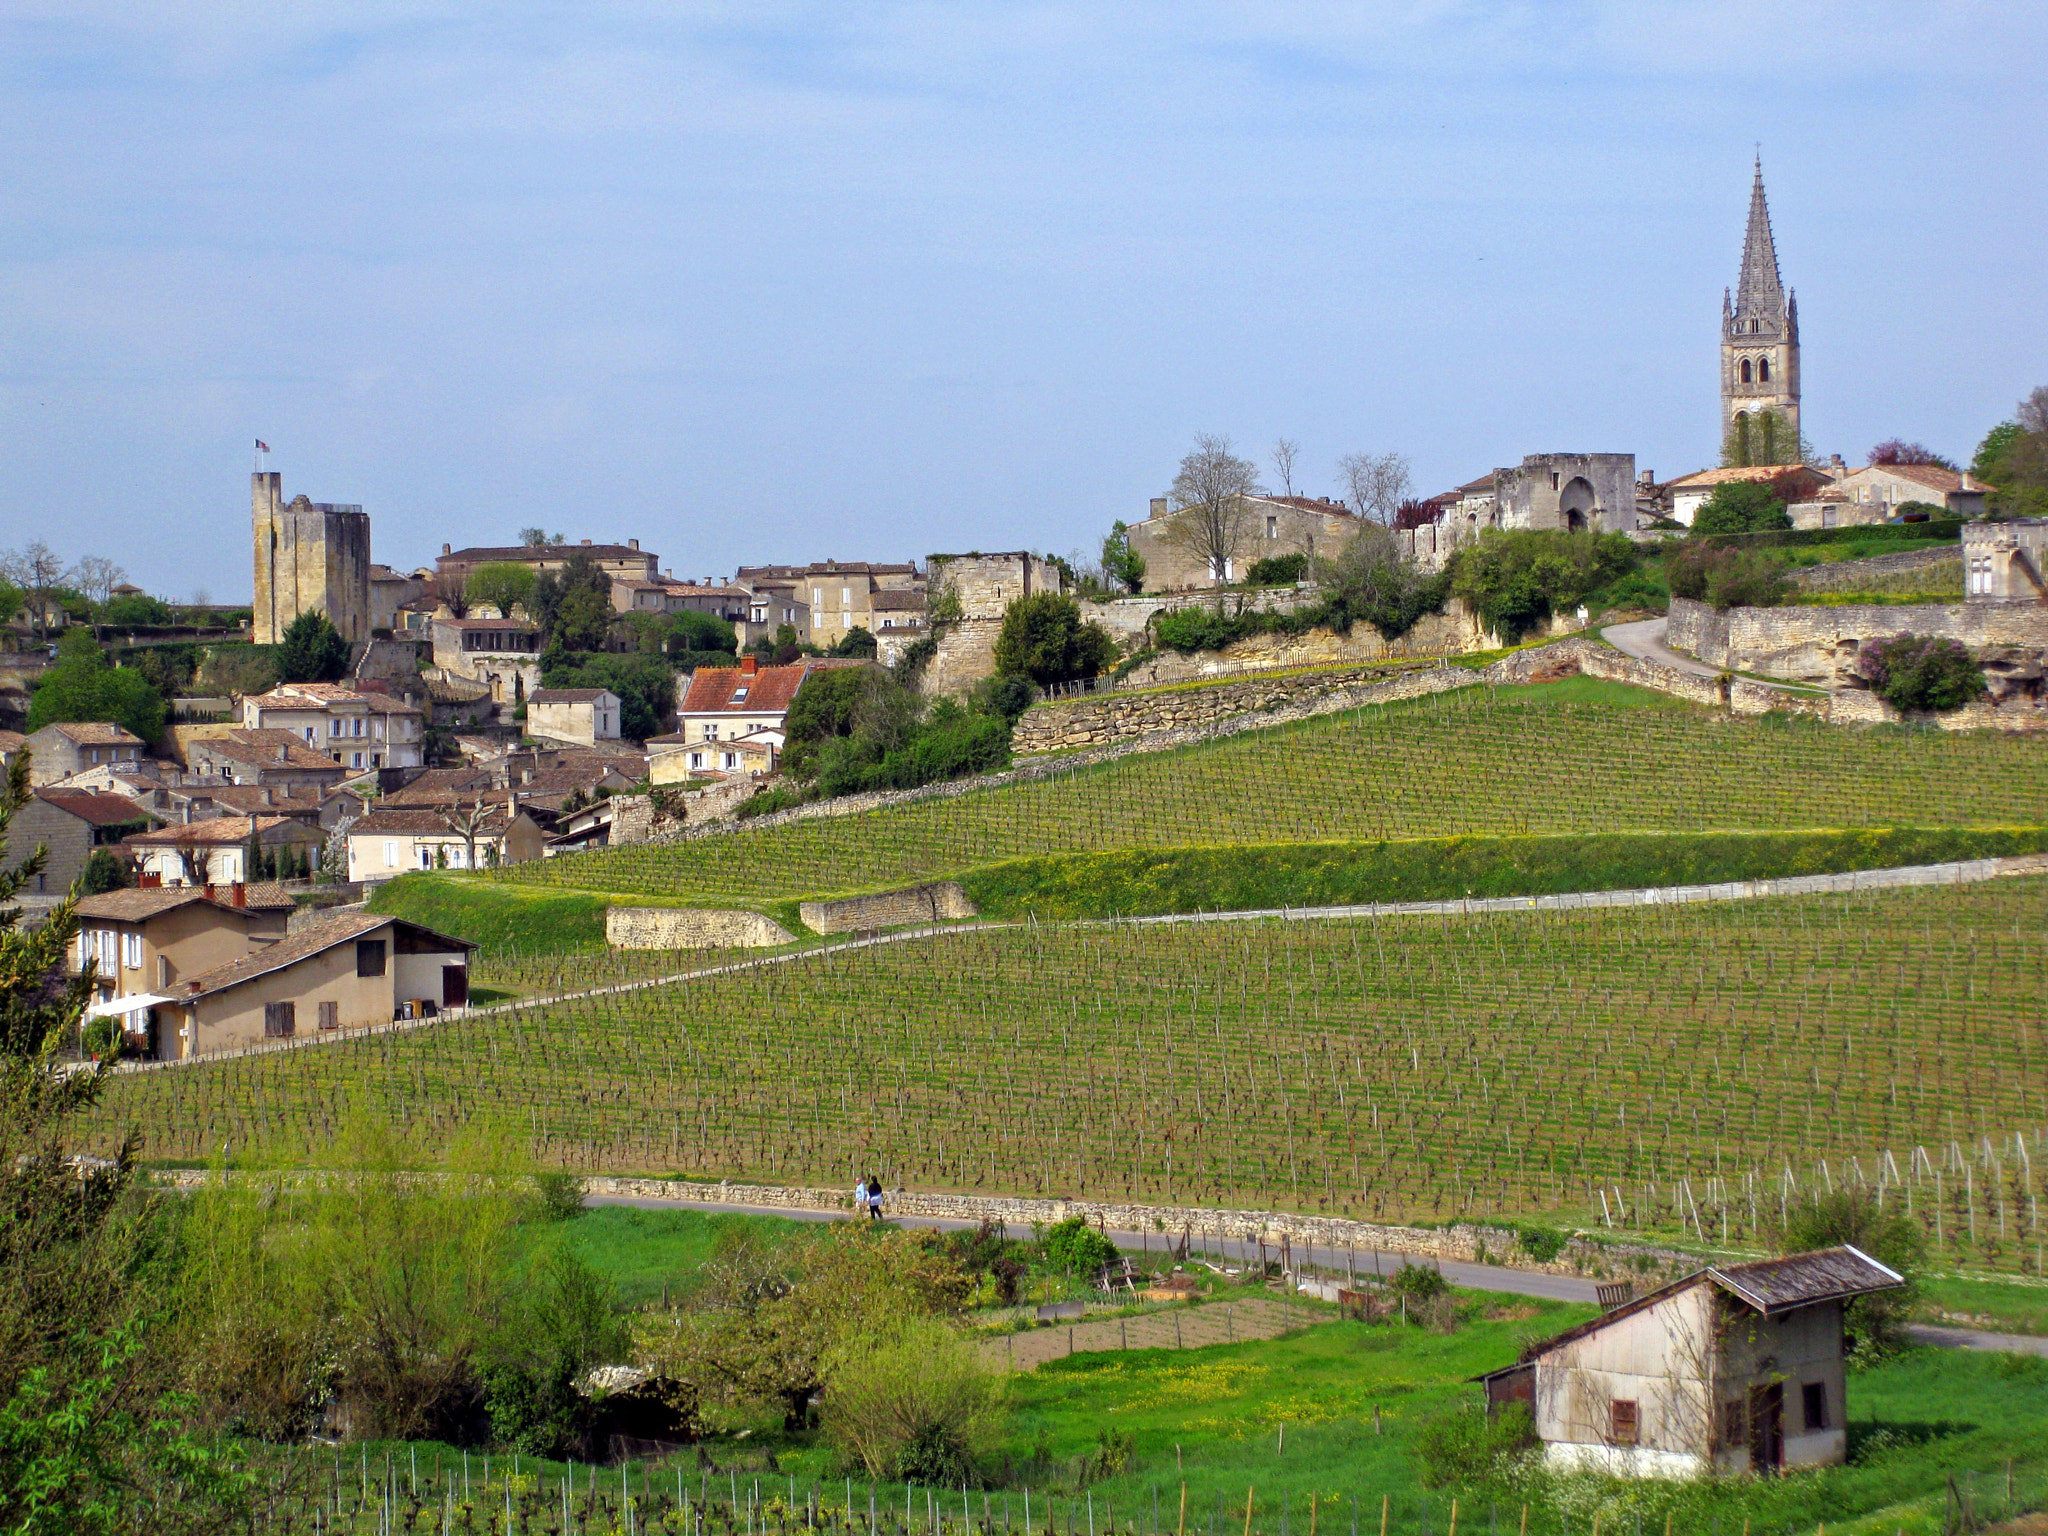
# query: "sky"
769,282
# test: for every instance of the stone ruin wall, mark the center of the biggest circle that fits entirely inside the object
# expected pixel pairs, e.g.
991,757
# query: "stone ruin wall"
689,928
938,901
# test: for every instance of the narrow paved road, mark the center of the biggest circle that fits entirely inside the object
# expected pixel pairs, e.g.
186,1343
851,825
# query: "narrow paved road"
1477,1277
1644,640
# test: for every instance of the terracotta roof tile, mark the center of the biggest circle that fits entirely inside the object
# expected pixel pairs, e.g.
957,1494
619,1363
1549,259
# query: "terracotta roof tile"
96,806
307,942
713,690
217,832
567,695
96,733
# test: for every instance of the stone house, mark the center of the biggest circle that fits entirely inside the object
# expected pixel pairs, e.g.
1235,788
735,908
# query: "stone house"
1735,1368
502,654
839,593
727,703
11,742
675,759
72,746
2006,562
216,851
357,730
142,941
393,592
770,605
585,716
664,594
280,759
389,842
1266,526
1795,483
70,824
1884,488
627,561
346,972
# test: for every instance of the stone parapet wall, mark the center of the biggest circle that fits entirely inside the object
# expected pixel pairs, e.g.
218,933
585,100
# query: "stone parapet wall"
1463,1243
1105,718
938,901
688,928
1852,575
1819,645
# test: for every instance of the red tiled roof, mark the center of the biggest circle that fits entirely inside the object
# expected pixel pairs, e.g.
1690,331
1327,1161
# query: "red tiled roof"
416,822
713,689
139,904
95,806
96,733
1933,476
309,941
1744,473
218,832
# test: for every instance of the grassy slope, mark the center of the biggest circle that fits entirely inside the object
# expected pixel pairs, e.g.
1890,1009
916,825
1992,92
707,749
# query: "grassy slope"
1572,757
1140,882
1404,1068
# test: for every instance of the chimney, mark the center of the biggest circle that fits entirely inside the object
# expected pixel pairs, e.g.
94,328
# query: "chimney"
749,664
1158,507
632,543
447,549
586,543
209,890
283,756
266,796
241,894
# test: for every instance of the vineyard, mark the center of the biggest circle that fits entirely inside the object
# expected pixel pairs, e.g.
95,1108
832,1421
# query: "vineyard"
1650,1067
1473,762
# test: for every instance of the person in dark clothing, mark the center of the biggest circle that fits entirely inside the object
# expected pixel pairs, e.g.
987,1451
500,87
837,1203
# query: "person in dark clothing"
874,1197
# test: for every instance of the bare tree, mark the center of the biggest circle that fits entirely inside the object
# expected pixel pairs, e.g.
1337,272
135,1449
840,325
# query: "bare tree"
1209,499
96,576
467,821
2033,411
449,592
1377,483
38,572
1286,454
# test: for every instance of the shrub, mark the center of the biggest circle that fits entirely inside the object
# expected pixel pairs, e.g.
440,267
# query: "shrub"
311,650
1541,1243
1463,1447
135,609
1277,571
1419,1281
1727,578
914,1403
1741,506
559,1195
1372,580
81,686
1044,638
1875,1325
104,872
1074,1248
1516,579
1921,672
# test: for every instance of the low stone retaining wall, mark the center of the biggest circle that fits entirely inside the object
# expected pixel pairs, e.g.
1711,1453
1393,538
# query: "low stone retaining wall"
1103,718
936,902
686,928
1464,1243
1853,575
1819,645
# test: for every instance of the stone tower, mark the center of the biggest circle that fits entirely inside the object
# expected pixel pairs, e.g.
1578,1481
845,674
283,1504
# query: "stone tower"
310,555
1760,351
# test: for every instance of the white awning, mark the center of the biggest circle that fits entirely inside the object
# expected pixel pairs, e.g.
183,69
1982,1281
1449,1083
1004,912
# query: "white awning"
134,1002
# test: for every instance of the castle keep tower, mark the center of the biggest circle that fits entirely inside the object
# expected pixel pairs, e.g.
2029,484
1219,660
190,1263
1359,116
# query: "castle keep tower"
310,556
1759,351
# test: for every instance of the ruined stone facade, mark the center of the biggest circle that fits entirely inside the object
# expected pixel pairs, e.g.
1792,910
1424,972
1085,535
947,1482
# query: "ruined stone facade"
311,557
1820,644
969,594
1570,492
1265,527
1760,350
2006,562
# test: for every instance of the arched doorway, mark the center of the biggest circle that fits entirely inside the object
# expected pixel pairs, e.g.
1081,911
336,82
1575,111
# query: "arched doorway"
1577,505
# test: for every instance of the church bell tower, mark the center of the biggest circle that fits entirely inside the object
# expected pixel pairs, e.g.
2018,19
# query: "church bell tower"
1759,351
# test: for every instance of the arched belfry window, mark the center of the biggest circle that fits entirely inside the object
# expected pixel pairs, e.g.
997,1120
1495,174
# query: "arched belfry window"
1763,370
1745,371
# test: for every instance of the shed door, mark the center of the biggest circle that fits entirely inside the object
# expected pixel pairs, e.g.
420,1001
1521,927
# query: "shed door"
454,985
1767,1427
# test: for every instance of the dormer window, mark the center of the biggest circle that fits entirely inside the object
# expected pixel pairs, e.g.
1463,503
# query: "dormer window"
739,695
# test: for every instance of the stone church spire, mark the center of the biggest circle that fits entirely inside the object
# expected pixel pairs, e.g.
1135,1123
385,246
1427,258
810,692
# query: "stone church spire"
1759,350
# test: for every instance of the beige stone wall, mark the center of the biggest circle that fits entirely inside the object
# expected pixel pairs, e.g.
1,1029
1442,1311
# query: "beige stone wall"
939,901
1819,644
687,928
235,1017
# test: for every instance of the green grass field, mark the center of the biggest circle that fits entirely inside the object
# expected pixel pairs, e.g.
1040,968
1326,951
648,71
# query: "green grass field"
1677,1061
1561,758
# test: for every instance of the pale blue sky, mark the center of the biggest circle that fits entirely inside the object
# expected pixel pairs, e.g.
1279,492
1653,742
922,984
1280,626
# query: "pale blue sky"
773,281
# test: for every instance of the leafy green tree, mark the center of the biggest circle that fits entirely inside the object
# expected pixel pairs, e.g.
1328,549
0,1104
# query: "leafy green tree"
1120,563
646,686
103,872
1371,579
1921,673
92,1439
82,686
1741,506
1072,1247
693,631
914,1400
2014,459
11,600
311,650
573,605
499,584
134,610
1045,639
1515,579
1876,1324
857,642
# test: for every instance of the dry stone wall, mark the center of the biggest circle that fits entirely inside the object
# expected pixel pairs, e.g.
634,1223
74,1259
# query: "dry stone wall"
1819,644
938,901
1852,575
686,928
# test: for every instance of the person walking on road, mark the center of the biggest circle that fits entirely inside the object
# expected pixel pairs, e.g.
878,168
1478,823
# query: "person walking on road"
874,1198
860,1196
